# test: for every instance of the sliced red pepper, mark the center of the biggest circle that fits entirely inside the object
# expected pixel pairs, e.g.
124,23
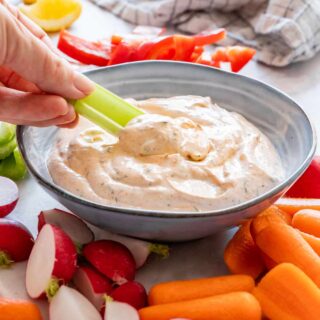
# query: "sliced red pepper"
184,47
196,53
88,52
123,52
116,39
220,55
209,37
205,59
147,30
237,56
160,48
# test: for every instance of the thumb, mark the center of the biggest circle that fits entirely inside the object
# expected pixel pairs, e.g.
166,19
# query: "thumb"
28,56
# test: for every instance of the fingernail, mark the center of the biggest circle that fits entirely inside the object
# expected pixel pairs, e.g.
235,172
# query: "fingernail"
83,84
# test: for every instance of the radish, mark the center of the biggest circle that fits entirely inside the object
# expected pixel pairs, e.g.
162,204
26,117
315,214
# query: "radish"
112,259
140,249
132,293
52,261
69,304
16,242
73,226
92,285
120,311
9,194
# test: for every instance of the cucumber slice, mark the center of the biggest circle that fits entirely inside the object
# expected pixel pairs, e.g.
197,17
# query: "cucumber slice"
7,132
7,149
13,167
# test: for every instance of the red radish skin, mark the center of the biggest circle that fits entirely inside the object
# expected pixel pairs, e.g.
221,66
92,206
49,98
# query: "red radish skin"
73,226
16,242
9,194
93,285
112,259
69,304
120,311
132,293
140,249
52,261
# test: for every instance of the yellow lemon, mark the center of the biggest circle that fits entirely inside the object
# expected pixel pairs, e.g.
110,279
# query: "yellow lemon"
53,15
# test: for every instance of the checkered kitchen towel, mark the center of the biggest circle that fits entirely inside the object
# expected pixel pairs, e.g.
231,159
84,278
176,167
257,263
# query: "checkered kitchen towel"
282,31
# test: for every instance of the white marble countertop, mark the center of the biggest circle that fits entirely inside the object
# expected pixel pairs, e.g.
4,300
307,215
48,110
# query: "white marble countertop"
193,259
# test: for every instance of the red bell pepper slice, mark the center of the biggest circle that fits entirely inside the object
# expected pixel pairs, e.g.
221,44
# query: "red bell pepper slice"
147,30
158,49
209,37
237,56
88,52
205,59
184,47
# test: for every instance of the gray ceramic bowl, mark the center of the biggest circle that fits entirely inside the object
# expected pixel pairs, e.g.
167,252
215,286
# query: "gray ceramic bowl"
279,117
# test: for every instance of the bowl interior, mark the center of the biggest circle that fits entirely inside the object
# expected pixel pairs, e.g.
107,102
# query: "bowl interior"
280,118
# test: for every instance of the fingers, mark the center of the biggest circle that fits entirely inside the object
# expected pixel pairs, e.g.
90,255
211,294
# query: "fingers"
12,80
29,108
28,56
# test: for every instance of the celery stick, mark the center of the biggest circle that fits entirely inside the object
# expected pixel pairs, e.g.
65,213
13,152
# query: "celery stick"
7,148
7,132
112,106
96,117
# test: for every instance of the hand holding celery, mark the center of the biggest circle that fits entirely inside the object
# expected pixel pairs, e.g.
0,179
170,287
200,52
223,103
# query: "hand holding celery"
107,110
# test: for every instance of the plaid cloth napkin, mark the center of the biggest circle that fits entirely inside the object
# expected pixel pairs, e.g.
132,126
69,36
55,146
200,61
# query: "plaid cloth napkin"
282,31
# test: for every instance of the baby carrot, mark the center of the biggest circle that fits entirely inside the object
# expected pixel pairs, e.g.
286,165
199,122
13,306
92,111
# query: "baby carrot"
293,205
271,215
242,255
287,293
18,310
175,291
308,221
282,243
313,241
230,306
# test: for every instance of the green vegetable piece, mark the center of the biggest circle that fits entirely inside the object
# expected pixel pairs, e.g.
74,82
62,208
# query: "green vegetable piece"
7,132
13,167
106,110
7,148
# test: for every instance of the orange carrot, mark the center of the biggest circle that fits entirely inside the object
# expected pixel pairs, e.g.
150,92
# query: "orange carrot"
175,291
271,215
313,241
282,243
230,306
18,310
308,221
287,293
293,205
242,255
268,262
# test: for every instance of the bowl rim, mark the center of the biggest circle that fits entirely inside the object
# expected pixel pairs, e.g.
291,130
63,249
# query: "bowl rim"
180,214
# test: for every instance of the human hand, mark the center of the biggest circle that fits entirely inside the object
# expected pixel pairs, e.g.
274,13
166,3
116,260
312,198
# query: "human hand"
34,80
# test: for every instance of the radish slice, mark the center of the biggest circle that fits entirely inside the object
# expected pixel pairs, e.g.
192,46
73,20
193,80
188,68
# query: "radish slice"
93,285
112,259
16,242
131,292
140,249
69,304
9,194
52,261
120,311
73,226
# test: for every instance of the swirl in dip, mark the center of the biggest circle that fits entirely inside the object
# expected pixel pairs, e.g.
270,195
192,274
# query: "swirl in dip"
184,154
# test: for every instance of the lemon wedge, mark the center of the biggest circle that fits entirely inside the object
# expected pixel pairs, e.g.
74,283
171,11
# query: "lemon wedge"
53,15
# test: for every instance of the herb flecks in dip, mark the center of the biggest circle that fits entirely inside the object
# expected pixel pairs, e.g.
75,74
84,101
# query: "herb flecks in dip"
185,153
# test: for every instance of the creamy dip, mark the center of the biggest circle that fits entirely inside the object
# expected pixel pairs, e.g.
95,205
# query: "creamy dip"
185,153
